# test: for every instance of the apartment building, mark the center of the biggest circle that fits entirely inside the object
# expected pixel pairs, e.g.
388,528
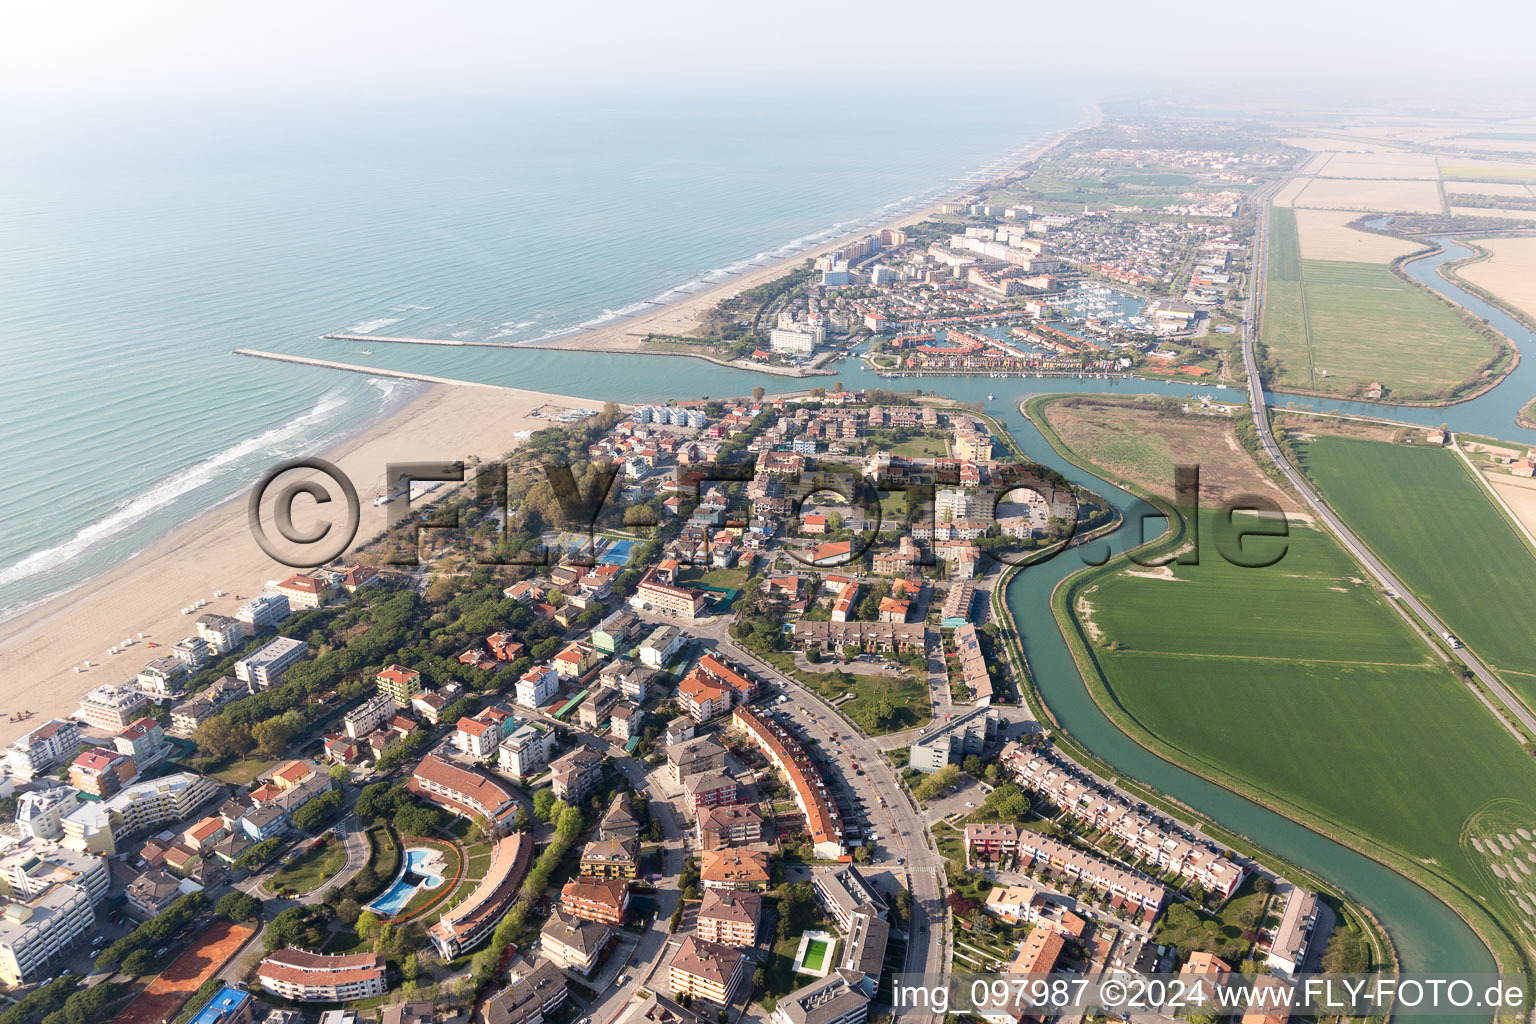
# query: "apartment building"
658,648
222,633
36,930
40,813
399,683
463,792
576,774
100,772
596,899
524,753
1125,888
954,741
194,711
683,602
306,591
305,977
729,917
471,921
611,858
263,612
709,789
626,721
1094,804
537,686
693,756
96,827
112,707
728,825
735,868
812,796
844,892
478,737
619,821
144,742
192,651
368,716
264,669
573,943
706,970
597,710
1296,937
630,678
838,998
51,743
533,994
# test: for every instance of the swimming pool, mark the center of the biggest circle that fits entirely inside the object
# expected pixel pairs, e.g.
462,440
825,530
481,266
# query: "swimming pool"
417,874
617,552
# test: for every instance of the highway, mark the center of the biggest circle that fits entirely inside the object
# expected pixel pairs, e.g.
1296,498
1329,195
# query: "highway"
1383,576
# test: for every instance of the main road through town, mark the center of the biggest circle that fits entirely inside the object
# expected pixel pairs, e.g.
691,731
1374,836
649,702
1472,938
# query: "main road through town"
1384,577
913,861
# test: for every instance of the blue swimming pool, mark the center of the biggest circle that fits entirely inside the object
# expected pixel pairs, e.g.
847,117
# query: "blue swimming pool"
413,876
617,552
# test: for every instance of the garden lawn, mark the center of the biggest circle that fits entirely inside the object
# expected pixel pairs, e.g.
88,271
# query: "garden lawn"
309,870
1432,523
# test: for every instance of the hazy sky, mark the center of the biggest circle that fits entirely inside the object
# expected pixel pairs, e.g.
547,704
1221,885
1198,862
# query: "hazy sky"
116,51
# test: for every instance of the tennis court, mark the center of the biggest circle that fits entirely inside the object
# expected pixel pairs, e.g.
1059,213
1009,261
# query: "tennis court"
617,552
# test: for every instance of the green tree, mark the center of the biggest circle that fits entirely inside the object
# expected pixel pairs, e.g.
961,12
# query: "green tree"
543,804
238,906
273,735
138,963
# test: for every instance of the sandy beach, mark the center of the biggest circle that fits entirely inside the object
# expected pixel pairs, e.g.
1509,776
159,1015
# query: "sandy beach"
216,551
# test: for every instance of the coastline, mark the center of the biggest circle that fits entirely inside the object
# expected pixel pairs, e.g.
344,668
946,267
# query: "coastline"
678,318
42,645
215,551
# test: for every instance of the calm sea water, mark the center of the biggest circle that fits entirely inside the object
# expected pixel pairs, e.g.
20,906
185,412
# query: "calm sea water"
136,252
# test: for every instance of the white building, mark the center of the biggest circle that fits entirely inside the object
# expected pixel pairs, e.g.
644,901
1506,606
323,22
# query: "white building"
112,708
40,813
538,686
796,341
223,633
42,748
95,827
263,612
265,668
524,753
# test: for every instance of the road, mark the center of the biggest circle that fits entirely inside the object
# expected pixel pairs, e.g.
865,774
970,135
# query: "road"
1378,570
888,808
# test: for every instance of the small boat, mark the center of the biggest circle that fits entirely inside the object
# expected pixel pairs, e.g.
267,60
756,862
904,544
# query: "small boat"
381,499
367,351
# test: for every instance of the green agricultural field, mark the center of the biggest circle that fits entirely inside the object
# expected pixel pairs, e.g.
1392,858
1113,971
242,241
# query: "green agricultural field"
1432,523
1310,605
1335,327
1296,684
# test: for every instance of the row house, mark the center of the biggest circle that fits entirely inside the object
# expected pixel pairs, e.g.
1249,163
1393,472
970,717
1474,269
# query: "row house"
1098,807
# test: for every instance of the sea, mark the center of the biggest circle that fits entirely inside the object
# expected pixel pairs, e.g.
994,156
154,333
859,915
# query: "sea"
138,247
